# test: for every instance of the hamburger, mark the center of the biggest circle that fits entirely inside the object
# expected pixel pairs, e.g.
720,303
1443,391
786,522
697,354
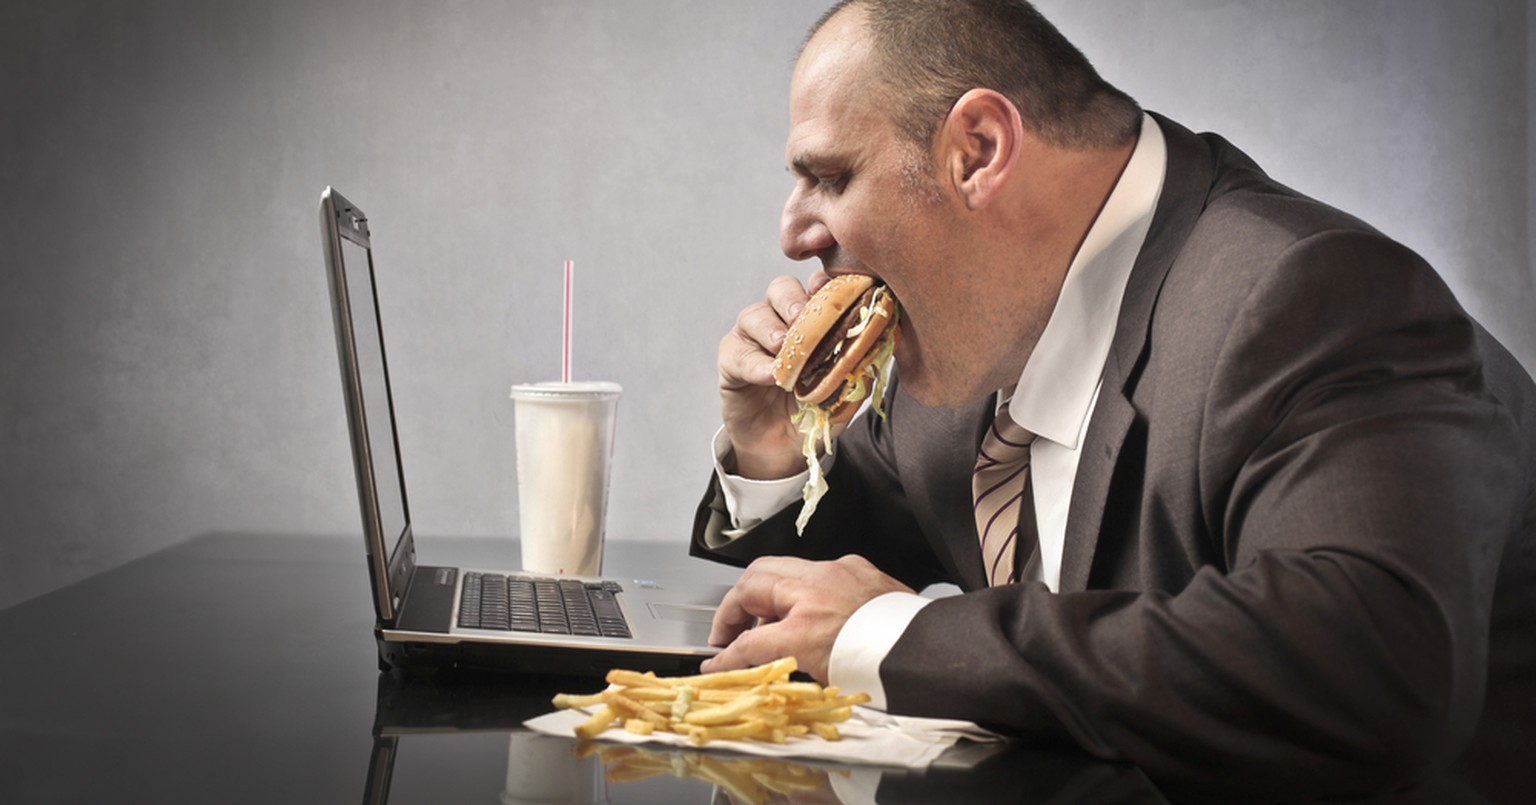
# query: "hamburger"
835,356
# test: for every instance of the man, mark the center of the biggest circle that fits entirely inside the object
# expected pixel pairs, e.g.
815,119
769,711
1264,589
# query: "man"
1278,483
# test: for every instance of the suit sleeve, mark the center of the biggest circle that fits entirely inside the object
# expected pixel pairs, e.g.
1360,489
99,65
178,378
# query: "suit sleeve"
863,512
1358,480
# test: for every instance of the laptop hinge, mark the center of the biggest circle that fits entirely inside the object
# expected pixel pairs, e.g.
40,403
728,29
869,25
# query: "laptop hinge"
402,569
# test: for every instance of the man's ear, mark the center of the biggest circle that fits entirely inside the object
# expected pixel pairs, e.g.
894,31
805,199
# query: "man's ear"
982,137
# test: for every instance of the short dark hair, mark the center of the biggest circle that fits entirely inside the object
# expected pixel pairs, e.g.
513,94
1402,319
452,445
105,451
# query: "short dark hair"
928,53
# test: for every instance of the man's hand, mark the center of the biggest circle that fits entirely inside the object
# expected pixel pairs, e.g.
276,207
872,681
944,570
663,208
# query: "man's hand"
755,411
800,605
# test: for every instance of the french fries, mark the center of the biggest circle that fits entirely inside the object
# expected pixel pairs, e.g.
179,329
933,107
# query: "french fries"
750,704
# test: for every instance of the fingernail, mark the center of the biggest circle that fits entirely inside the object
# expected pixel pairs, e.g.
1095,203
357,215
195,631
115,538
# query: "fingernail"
794,311
777,336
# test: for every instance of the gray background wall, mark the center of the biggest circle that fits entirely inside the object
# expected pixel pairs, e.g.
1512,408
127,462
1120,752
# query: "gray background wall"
166,358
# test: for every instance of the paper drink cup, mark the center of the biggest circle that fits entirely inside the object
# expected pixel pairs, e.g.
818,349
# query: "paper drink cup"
564,460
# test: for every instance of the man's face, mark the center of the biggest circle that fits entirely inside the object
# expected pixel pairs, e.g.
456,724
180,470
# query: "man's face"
868,201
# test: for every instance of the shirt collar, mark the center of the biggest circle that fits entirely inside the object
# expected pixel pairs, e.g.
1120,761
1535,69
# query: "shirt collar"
1056,390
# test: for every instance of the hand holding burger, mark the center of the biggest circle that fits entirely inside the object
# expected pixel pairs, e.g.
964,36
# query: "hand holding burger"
834,356
835,345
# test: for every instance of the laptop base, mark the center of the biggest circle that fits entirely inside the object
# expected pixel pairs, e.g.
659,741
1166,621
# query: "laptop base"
524,660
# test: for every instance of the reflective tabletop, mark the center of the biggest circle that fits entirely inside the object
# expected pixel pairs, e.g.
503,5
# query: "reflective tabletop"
242,668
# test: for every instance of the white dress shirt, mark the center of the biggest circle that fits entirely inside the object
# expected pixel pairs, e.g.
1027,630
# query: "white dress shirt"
1054,400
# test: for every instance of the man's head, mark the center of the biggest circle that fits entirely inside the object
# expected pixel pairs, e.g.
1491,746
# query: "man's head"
958,150
928,53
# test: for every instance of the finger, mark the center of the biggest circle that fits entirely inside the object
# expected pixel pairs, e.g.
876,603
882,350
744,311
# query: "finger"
818,279
743,361
747,352
755,647
787,297
761,324
731,619
763,593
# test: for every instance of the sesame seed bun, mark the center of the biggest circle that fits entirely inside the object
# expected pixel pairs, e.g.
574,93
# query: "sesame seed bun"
811,364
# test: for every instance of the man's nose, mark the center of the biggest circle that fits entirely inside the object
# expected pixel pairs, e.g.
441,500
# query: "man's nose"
802,235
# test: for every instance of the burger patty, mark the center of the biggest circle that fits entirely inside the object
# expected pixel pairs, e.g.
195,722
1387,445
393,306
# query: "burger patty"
826,353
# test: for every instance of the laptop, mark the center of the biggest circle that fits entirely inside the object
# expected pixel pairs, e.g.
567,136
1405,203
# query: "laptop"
432,616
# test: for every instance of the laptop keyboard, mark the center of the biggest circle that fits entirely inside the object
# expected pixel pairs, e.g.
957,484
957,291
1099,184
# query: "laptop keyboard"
548,606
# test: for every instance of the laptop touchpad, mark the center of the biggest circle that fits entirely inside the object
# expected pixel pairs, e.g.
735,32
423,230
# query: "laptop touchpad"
692,613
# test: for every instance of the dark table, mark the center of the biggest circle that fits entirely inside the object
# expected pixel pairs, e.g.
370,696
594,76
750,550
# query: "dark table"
241,668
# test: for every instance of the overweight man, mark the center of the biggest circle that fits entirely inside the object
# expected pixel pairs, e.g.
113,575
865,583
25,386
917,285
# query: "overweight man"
1274,526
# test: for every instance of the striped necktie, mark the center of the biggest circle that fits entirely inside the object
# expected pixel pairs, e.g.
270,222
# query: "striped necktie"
998,486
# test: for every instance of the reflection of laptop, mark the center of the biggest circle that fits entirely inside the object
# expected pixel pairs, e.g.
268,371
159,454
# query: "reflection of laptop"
512,620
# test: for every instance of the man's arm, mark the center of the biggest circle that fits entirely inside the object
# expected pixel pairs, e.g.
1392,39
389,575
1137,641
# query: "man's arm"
864,512
825,594
864,517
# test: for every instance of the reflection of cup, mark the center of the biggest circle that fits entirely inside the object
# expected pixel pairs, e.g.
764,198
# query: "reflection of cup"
544,769
564,459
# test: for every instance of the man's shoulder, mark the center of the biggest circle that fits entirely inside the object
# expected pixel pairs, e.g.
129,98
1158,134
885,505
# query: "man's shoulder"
1249,208
1242,222
1265,262
1241,204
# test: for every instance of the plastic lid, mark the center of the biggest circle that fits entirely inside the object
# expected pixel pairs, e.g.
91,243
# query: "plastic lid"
578,390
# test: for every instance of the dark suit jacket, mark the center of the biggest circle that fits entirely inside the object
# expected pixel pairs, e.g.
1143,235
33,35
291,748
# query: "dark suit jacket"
1305,495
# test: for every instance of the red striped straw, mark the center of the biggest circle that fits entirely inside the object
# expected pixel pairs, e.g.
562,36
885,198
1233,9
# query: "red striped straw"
565,345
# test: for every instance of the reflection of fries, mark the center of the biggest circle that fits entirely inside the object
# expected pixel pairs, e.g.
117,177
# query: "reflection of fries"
744,780
748,704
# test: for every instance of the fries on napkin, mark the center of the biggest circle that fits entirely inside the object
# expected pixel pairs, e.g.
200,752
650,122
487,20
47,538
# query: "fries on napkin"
751,704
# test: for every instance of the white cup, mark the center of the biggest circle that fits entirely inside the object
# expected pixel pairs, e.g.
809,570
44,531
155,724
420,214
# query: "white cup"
564,460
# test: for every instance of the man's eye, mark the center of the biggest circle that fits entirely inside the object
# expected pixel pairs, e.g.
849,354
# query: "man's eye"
834,183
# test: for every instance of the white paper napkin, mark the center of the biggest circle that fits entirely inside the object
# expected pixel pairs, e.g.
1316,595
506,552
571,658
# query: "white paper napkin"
869,737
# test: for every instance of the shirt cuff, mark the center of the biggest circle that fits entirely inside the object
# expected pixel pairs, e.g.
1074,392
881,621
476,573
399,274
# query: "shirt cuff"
749,502
864,641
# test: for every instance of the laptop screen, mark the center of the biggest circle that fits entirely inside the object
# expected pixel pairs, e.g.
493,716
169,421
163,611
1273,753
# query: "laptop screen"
373,380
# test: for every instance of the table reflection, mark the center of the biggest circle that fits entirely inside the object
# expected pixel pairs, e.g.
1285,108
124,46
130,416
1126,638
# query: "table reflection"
543,769
456,738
